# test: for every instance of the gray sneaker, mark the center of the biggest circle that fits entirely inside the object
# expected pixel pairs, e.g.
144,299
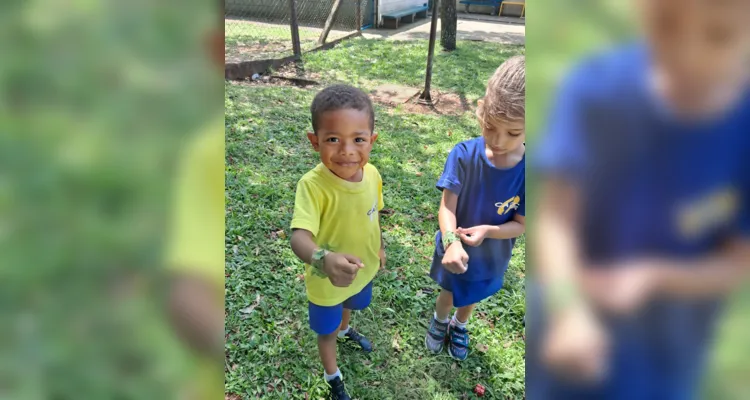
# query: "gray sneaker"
435,338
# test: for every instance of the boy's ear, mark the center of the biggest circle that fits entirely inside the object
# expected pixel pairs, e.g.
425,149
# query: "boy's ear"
373,138
480,104
313,138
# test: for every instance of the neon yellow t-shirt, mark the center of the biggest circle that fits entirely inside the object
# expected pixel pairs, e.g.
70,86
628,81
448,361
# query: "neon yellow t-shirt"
343,218
197,233
196,241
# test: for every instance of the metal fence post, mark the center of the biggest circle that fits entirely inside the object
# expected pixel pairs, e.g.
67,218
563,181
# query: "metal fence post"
295,29
358,15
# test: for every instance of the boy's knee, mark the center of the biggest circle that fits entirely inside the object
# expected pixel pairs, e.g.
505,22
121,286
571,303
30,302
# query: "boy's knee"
331,337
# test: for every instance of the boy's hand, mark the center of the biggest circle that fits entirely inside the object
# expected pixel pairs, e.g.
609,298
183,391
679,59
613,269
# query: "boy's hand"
341,269
576,345
383,258
622,289
456,260
475,236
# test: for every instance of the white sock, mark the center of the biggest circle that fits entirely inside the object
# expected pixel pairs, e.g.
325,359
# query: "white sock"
445,321
332,377
342,334
458,323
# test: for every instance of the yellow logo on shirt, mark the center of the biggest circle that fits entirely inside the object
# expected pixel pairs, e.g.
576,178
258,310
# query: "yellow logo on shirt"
508,205
708,212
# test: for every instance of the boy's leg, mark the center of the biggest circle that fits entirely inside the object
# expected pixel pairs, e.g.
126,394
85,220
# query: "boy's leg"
463,314
327,351
435,338
444,305
325,322
359,301
458,336
345,318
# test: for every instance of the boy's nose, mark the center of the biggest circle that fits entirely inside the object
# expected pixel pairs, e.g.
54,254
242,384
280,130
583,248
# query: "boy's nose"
347,149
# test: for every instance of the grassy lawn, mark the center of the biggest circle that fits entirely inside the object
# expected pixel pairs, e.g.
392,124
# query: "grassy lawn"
369,62
247,40
270,351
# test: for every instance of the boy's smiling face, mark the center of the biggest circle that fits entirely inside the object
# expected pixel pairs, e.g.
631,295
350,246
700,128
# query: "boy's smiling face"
344,140
701,50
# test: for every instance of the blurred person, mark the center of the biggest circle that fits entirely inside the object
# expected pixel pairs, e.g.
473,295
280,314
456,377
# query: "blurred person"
195,254
643,226
336,223
483,187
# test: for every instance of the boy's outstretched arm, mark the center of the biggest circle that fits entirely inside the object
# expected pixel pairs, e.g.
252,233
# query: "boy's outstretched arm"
456,258
625,289
574,342
303,245
341,269
512,229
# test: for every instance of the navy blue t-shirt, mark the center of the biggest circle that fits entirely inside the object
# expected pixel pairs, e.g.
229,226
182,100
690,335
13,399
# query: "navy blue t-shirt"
487,195
650,186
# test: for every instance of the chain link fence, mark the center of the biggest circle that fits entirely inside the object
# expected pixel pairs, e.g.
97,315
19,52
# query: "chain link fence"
261,29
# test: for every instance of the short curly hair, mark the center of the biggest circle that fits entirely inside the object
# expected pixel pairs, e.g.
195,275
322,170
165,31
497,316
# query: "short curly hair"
505,98
341,97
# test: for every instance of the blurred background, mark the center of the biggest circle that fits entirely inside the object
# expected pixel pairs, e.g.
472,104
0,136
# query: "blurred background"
560,34
96,101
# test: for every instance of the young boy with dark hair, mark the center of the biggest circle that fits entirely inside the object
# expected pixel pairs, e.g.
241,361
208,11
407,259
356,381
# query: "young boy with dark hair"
336,227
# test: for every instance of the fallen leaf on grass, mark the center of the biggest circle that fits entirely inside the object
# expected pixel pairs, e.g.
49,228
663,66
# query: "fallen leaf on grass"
394,343
419,174
507,344
482,347
278,235
249,309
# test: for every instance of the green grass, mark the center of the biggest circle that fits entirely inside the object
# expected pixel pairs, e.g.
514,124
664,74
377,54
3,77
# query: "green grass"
465,70
271,352
247,40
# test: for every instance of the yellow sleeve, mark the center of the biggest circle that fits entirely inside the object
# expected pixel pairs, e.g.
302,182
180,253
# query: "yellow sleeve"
381,203
196,234
307,207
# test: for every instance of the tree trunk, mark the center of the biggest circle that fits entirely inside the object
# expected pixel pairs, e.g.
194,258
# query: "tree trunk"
448,24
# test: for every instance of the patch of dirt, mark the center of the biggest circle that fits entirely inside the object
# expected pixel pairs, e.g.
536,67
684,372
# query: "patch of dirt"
442,104
288,75
408,99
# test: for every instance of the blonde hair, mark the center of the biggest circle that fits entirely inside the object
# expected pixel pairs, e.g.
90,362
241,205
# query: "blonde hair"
505,98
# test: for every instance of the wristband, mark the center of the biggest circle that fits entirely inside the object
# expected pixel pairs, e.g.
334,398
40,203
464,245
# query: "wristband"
318,261
449,238
561,296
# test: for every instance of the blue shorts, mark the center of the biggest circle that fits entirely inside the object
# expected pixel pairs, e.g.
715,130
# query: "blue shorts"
325,320
465,292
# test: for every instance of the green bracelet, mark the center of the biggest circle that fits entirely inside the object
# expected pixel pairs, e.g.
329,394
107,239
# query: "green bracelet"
318,261
449,238
561,296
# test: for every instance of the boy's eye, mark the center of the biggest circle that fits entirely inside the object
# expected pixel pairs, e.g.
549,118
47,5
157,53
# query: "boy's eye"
360,140
332,140
514,133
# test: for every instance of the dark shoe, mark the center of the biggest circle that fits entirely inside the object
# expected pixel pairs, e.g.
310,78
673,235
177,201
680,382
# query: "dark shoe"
362,341
458,342
435,338
337,390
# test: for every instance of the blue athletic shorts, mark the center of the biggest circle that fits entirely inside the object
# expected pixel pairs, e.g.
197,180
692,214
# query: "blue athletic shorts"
325,320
